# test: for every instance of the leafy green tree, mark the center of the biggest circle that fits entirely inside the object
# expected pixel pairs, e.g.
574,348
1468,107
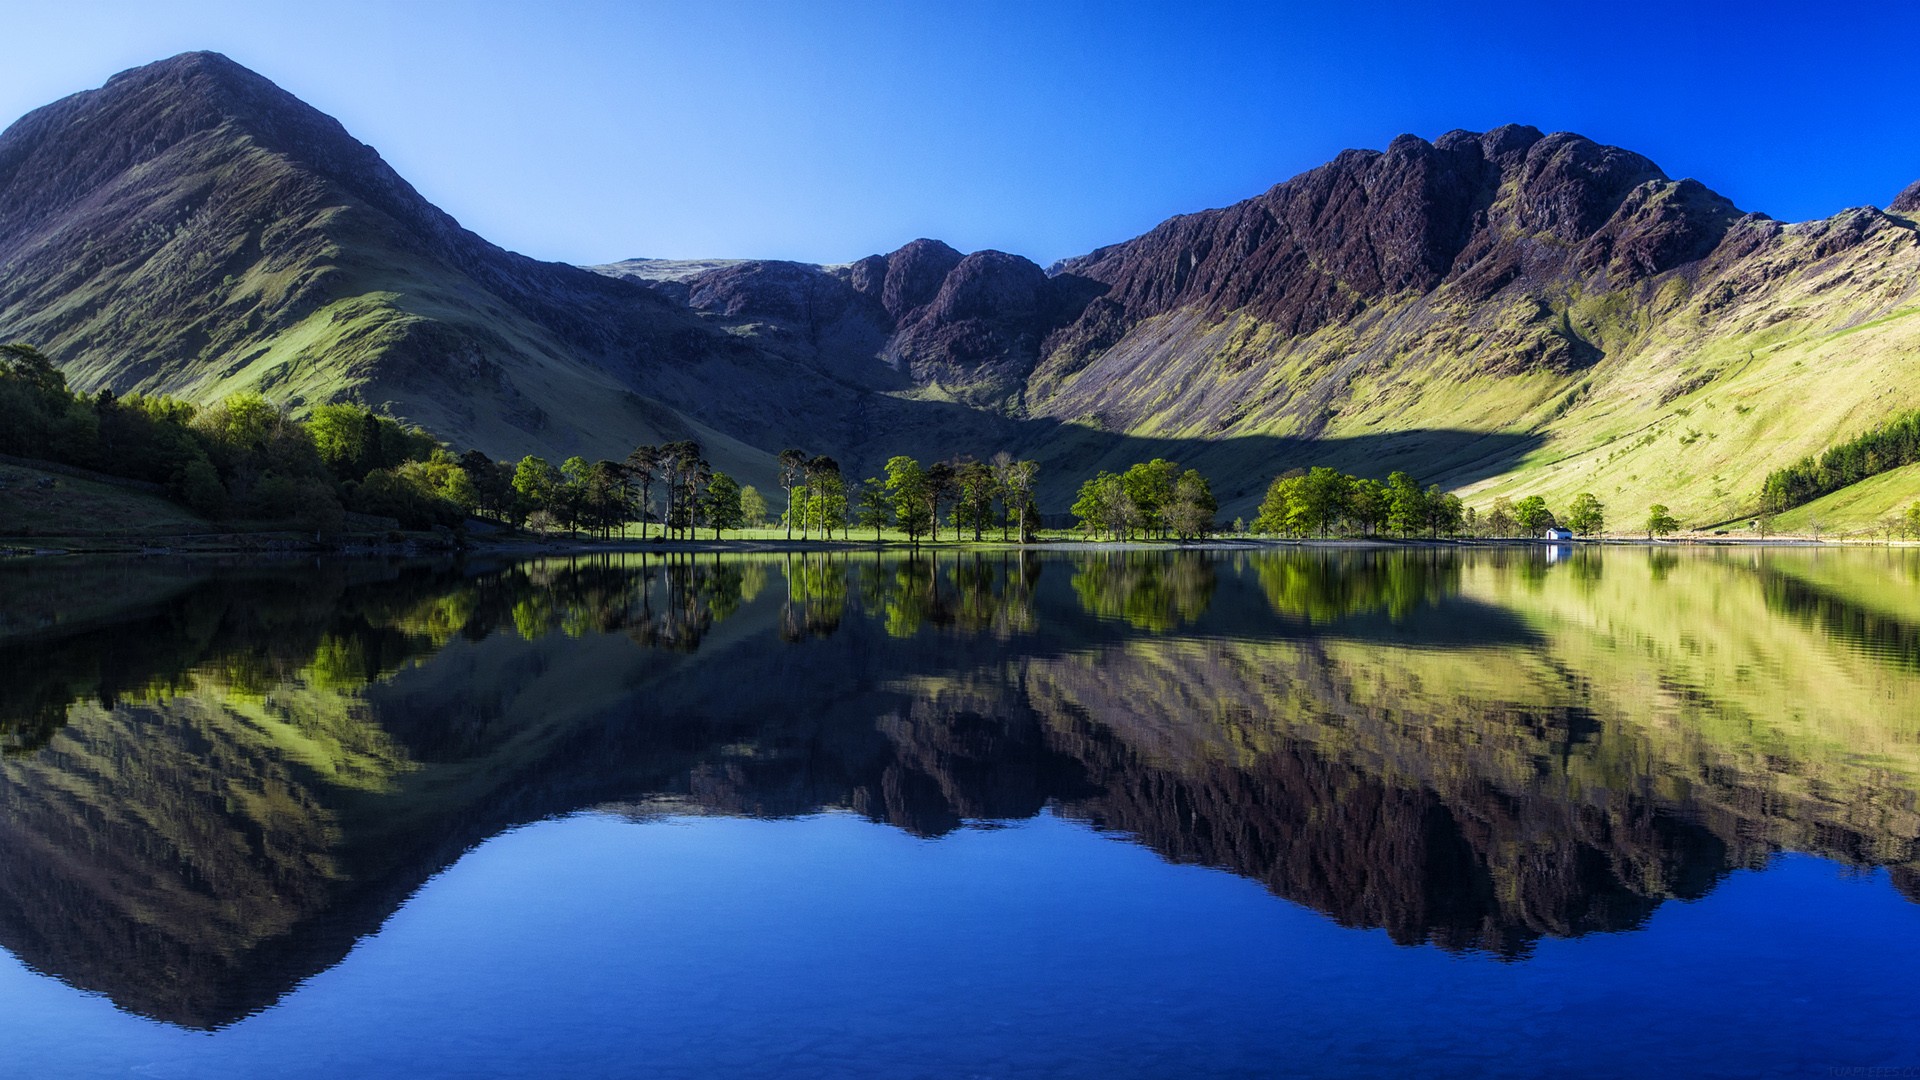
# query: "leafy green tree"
347,438
753,507
1660,522
1192,509
723,504
1149,486
816,470
875,508
1324,497
197,485
1368,505
976,487
1017,480
1276,516
31,366
492,486
1500,519
912,504
826,502
535,481
1406,504
1103,505
607,499
1532,516
570,495
1445,512
1586,515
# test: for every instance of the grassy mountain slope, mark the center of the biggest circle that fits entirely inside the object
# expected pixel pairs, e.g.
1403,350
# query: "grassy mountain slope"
1506,313
1652,343
192,229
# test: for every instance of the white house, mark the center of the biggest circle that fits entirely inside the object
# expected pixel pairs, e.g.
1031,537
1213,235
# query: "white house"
1557,533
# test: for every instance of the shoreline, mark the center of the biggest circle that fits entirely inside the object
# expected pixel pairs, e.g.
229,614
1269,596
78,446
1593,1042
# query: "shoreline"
279,546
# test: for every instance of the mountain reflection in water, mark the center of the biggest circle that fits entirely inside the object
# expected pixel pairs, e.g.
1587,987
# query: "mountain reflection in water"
217,780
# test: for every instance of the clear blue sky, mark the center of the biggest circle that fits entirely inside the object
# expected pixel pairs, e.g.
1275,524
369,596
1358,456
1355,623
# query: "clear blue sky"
816,130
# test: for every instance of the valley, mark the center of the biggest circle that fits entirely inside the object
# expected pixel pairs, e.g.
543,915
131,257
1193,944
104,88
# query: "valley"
1505,313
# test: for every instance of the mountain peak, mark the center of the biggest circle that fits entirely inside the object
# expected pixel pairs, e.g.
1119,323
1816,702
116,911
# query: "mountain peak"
1908,201
218,64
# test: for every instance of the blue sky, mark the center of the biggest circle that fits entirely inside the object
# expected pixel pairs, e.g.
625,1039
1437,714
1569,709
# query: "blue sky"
825,131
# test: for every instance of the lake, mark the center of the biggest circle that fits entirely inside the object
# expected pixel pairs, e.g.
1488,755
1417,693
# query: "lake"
1316,812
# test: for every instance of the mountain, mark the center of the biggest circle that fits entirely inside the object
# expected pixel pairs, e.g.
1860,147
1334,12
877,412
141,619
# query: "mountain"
1508,312
190,228
1599,324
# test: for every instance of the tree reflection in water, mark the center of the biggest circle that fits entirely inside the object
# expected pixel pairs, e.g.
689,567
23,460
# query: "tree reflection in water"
213,790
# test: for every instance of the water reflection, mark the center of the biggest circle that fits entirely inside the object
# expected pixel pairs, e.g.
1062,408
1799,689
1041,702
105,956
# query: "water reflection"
218,780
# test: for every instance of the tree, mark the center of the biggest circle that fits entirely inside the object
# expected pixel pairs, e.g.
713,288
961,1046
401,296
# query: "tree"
1406,504
1368,505
643,466
793,465
1149,486
1445,512
1276,514
683,475
1324,497
941,486
826,502
1191,512
875,508
570,497
974,481
1500,520
722,504
492,485
607,500
1103,505
31,366
1586,515
1659,522
816,470
1532,516
912,505
1016,491
753,507
534,481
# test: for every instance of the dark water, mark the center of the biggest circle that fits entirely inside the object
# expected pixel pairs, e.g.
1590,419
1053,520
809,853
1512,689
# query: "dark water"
1090,814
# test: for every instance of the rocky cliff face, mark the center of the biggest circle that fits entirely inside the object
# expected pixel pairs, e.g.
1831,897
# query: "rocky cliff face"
1507,312
968,328
1472,309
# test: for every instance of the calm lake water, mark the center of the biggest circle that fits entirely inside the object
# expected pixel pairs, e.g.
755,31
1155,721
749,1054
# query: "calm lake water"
1305,812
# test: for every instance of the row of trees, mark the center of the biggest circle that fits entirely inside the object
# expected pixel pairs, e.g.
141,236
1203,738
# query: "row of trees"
980,494
604,496
970,495
243,458
1889,446
1151,499
1323,501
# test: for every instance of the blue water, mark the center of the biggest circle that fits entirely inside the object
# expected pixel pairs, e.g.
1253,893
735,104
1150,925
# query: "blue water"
832,946
1290,813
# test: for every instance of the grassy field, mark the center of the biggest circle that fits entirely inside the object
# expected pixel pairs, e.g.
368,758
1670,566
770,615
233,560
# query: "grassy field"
1866,507
35,503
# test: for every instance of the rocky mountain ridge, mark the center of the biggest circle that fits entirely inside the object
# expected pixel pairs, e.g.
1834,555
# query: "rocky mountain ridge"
1503,312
